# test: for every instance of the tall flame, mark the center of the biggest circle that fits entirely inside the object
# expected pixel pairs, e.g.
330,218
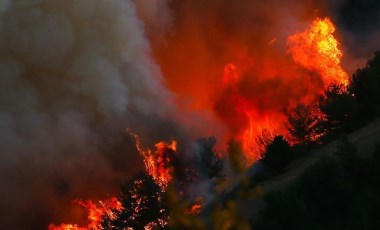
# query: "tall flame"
260,128
158,163
317,49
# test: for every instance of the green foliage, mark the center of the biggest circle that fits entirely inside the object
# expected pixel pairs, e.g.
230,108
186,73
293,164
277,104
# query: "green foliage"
142,202
302,123
278,155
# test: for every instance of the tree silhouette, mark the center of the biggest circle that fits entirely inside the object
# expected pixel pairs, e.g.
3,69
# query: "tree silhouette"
302,124
339,108
143,205
212,164
278,155
365,85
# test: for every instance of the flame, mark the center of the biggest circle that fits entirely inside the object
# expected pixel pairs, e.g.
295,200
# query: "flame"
158,163
317,49
96,212
259,128
65,227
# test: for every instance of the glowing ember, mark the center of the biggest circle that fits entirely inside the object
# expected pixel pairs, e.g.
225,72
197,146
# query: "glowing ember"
194,209
96,212
65,227
316,49
158,164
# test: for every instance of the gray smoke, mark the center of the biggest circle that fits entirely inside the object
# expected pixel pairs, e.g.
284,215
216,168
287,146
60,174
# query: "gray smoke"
73,76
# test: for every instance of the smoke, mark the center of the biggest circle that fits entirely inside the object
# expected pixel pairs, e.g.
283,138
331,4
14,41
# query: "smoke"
207,36
73,76
250,35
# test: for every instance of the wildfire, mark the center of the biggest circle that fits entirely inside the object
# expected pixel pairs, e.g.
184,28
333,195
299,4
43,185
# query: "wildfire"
158,163
317,49
96,212
259,129
65,227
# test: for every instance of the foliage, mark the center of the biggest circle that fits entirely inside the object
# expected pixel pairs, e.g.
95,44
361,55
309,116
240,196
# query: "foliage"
365,85
332,194
212,164
340,110
179,216
142,202
236,157
301,124
278,155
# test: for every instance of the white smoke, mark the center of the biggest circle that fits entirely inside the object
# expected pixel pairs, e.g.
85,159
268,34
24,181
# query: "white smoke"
71,73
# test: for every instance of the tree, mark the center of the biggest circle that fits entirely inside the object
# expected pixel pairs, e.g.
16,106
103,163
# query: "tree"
339,108
143,205
302,124
212,164
237,157
365,85
334,193
278,155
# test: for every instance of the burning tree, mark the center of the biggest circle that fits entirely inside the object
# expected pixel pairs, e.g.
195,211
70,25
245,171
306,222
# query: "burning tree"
96,213
317,49
302,124
143,206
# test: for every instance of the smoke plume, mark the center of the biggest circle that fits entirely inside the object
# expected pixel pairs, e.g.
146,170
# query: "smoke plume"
73,76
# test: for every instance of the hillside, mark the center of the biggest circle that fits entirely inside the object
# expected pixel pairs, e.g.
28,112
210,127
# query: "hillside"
365,140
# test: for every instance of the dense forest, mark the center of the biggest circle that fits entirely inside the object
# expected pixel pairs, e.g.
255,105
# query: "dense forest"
337,192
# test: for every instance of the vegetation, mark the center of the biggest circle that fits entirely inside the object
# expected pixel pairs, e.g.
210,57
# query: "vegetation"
143,205
301,124
333,194
212,164
339,192
278,155
341,109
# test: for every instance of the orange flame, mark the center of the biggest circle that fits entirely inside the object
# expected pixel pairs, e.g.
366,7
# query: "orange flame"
158,163
65,227
260,128
317,49
96,212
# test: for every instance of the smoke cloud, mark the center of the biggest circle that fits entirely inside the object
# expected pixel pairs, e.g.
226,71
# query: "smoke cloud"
73,76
